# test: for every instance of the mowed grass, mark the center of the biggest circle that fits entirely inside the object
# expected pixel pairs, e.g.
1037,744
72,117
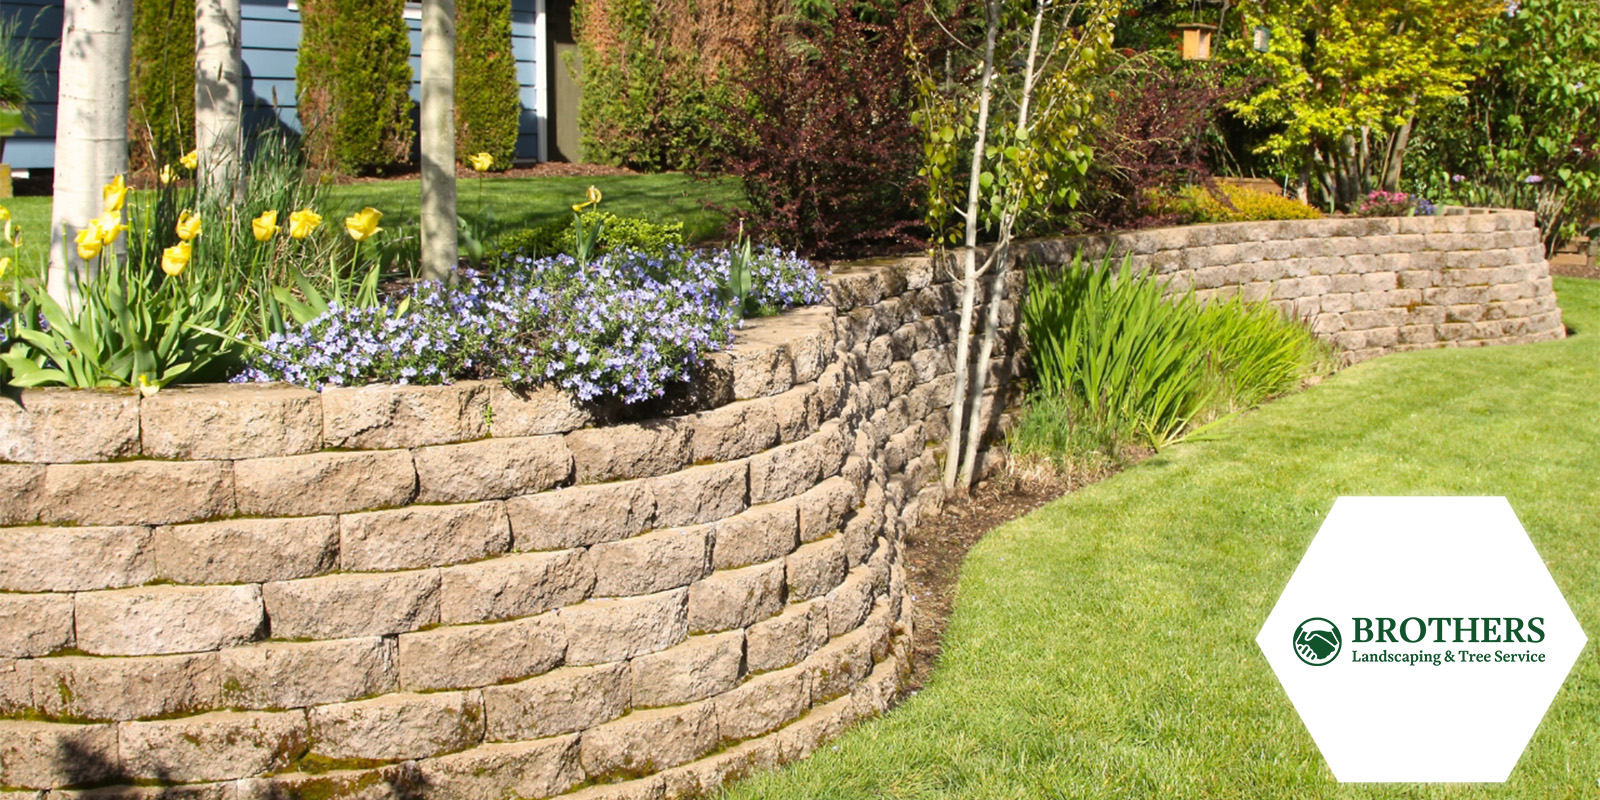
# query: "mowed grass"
514,202
1103,647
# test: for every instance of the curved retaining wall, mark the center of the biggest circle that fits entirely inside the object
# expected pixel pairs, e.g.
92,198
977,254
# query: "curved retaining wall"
460,592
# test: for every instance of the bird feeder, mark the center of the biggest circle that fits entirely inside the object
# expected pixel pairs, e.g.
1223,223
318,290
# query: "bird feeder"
1196,40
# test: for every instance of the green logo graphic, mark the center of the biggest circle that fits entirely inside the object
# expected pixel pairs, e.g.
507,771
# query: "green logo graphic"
1317,641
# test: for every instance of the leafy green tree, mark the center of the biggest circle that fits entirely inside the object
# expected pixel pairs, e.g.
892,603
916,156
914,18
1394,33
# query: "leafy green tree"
1348,78
488,108
353,85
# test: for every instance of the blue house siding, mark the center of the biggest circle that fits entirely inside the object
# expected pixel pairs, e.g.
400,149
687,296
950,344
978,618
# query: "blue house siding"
270,30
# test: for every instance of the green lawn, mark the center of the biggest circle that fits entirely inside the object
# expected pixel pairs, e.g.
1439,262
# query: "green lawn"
515,202
1104,645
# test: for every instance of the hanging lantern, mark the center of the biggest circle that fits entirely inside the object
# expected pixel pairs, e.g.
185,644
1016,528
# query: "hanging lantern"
1196,40
1261,39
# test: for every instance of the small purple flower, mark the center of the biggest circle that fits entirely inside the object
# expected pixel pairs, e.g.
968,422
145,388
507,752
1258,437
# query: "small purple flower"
1457,178
1533,179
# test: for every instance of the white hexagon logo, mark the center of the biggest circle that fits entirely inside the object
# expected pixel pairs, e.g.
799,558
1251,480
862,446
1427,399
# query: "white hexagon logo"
1421,639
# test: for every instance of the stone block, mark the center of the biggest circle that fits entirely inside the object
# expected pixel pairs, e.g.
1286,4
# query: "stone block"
137,492
815,569
464,656
633,450
657,561
513,586
701,494
230,421
534,412
246,550
350,606
387,417
401,781
785,640
823,508
491,469
761,366
35,624
61,426
837,667
215,790
797,412
44,755
298,674
763,704
648,741
398,726
698,668
324,483
761,533
543,768
579,516
735,430
563,701
74,559
736,598
168,619
83,688
786,471
851,601
599,631
212,747
23,487
422,536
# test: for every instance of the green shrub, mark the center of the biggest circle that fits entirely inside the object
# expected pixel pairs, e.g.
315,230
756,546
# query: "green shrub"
161,84
353,85
1196,204
616,233
1147,367
488,107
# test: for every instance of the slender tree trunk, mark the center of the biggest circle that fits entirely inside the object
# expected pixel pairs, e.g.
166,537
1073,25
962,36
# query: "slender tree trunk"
1395,158
439,243
91,128
969,278
219,99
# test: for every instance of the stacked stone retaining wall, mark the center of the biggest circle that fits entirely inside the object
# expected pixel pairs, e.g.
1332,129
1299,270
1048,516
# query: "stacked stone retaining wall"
463,592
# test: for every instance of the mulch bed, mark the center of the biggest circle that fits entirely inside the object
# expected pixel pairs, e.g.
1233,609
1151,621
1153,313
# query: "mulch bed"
1573,265
544,169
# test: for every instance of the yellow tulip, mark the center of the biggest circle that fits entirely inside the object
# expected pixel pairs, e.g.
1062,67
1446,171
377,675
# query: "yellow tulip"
5,265
363,223
303,222
175,258
115,194
265,226
11,233
146,388
481,162
191,160
168,175
594,199
188,226
110,224
5,213
89,241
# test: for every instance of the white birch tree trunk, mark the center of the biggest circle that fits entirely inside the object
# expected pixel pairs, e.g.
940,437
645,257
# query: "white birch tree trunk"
219,99
439,243
91,129
969,278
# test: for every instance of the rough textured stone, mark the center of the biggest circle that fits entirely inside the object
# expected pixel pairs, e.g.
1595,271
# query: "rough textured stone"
786,471
581,515
22,485
401,781
491,469
762,533
534,412
385,417
42,755
137,492
74,559
654,562
634,450
125,688
397,726
216,790
513,586
785,640
701,494
60,426
823,508
611,630
734,431
298,674
495,771
462,656
566,700
212,747
648,741
349,606
324,483
736,598
246,550
814,569
696,669
763,704
34,624
168,619
228,421
422,536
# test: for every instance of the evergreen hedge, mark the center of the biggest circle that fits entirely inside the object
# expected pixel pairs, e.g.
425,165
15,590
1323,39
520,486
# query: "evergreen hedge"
161,83
488,106
353,83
